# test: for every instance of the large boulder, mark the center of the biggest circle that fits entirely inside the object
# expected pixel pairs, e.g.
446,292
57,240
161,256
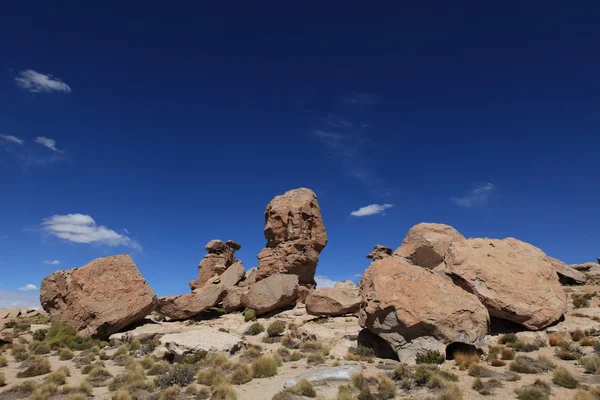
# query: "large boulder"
271,293
513,279
425,244
566,274
415,310
201,338
201,299
99,298
339,300
295,236
220,257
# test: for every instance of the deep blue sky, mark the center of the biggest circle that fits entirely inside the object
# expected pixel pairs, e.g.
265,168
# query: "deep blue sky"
176,124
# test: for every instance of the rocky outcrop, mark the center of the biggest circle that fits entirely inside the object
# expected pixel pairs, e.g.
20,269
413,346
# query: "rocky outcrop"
566,274
220,257
414,309
201,299
513,279
584,267
379,252
295,236
425,244
99,298
201,338
339,300
274,292
233,299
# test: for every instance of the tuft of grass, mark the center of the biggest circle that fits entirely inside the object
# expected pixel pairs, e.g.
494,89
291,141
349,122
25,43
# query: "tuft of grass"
122,394
562,377
360,353
264,367
19,352
465,360
400,372
451,392
130,380
147,362
588,341
3,361
179,374
527,347
507,354
98,375
577,335
35,366
2,379
59,377
304,388
39,348
507,338
194,357
255,329
65,354
288,341
242,373
276,328
591,364
295,356
570,352
479,371
159,368
345,393
103,356
430,357
527,365
211,377
135,345
531,393
498,363
557,340
39,335
386,389
315,359
583,394
223,391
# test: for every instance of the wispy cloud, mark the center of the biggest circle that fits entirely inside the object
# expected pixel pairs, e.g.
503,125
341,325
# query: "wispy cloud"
81,228
11,139
55,262
49,143
477,197
19,299
362,98
324,282
36,82
336,121
371,209
28,288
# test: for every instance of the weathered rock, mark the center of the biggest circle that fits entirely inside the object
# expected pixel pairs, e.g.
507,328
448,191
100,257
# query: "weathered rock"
583,267
99,298
271,293
233,299
220,257
334,301
323,375
425,244
379,252
250,278
148,330
566,274
201,338
513,279
295,236
415,310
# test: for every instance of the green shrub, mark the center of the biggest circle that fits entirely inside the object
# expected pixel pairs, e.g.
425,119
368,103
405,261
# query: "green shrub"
255,329
430,357
65,354
63,335
264,367
35,366
178,374
249,315
562,377
276,328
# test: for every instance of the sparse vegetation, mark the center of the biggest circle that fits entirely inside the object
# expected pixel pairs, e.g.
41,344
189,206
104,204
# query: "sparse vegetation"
35,366
485,387
255,329
577,335
242,373
3,361
360,353
223,391
430,357
527,365
159,368
527,347
65,354
562,377
539,390
588,341
498,363
465,360
591,364
507,354
39,335
264,367
178,374
276,328
59,377
19,352
2,379
304,388
479,371
570,352
507,338
135,345
557,340
386,389
315,359
194,357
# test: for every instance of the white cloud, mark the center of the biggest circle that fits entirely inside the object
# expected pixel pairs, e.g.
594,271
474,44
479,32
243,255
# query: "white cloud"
49,143
28,288
371,209
337,121
361,98
324,282
36,82
81,228
11,139
476,197
55,262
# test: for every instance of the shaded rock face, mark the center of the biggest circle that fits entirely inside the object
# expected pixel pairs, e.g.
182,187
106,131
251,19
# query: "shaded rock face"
414,309
379,252
426,244
220,257
513,279
99,298
566,274
271,293
295,236
335,301
201,299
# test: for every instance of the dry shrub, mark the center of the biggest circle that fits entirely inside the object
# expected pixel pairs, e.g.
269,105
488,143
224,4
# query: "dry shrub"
465,360
557,340
562,377
264,367
242,373
304,388
35,366
588,341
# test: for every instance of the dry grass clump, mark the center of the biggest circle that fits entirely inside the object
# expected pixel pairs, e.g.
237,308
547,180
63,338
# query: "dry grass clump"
303,388
591,364
44,392
35,366
59,377
465,360
264,367
562,377
588,341
557,340
98,375
83,359
159,368
498,363
486,388
251,354
527,365
539,390
179,374
223,391
131,379
77,396
479,371
276,328
65,354
311,346
577,335
589,394
242,373
39,348
19,352
315,359
3,361
296,356
84,388
2,379
527,347
582,300
195,357
507,354
345,393
211,376
386,389
569,352
360,353
135,345
451,392
430,357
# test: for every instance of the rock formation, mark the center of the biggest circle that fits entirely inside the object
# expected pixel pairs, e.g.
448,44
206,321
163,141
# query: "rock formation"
339,300
379,252
99,298
202,298
425,244
295,236
414,309
566,274
271,293
220,257
513,279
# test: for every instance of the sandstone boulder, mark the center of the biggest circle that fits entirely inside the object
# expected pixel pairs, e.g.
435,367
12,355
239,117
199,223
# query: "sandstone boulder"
201,338
271,293
233,299
583,267
201,299
295,236
415,310
426,244
334,301
566,274
379,252
220,257
513,279
99,298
